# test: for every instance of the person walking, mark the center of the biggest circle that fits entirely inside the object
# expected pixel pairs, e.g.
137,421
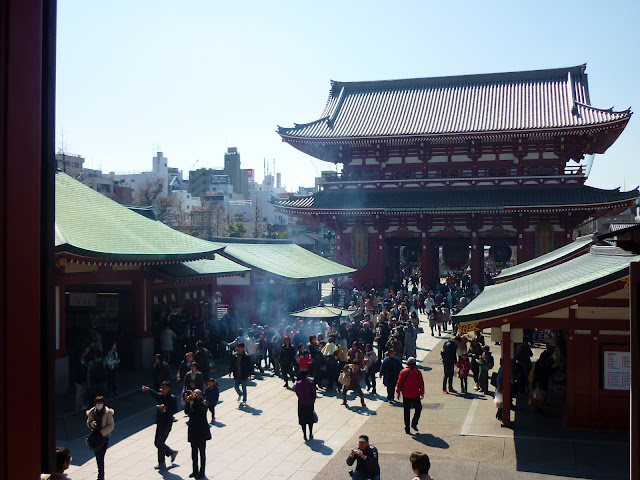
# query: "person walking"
486,364
204,360
286,361
167,408
161,372
411,386
463,366
449,359
241,368
354,375
111,361
212,395
167,337
389,372
198,432
420,465
475,352
410,340
370,365
365,456
306,391
194,379
79,373
100,419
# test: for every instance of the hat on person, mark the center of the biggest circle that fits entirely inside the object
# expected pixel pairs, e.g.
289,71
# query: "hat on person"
411,361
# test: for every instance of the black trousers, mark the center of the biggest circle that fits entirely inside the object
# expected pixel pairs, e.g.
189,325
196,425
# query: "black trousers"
448,376
287,371
162,433
198,447
463,384
417,405
100,458
391,389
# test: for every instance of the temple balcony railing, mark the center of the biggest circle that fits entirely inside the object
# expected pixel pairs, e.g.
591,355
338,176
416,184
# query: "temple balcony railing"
572,174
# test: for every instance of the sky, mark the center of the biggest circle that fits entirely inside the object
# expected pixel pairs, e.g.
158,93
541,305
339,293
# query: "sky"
192,78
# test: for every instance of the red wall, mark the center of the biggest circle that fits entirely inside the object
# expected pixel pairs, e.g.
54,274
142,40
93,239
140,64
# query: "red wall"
588,404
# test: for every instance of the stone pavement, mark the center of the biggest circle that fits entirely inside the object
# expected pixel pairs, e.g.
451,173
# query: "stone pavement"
264,441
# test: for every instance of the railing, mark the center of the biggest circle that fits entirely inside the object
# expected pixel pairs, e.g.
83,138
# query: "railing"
457,173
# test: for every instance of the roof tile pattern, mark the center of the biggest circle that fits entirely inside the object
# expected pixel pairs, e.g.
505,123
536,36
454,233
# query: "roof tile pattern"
287,261
501,102
92,225
554,283
458,199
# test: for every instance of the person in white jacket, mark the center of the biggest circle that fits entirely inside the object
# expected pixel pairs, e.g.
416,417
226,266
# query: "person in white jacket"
167,338
100,418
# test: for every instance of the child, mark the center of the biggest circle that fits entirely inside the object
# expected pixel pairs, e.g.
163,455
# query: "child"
464,366
211,395
304,361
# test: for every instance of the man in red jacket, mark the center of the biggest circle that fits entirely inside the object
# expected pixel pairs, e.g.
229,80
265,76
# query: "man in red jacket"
411,385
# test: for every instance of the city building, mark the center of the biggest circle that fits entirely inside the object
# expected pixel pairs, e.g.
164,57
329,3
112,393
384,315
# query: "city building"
456,164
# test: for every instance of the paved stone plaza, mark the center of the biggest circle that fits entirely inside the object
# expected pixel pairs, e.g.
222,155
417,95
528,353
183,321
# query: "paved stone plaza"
460,434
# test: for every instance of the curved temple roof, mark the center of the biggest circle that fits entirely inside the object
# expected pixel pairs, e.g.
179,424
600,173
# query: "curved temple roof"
577,247
91,225
600,266
458,199
498,102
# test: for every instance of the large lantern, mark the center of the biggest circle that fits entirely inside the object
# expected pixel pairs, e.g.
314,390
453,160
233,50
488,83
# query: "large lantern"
455,256
500,254
411,255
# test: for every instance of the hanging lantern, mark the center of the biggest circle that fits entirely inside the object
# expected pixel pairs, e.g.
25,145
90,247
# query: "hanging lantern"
411,255
500,254
455,256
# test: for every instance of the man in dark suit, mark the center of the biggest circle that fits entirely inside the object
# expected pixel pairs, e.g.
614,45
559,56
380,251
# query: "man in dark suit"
167,408
241,368
198,432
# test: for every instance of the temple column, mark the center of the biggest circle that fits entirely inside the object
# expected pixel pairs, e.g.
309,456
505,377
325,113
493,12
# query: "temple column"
477,261
425,264
506,374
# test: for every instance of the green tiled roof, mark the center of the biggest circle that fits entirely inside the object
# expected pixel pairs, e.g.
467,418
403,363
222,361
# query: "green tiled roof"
202,268
91,225
284,260
578,245
600,266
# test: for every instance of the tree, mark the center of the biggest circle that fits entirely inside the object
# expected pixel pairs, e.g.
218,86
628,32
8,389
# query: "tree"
259,221
236,229
164,206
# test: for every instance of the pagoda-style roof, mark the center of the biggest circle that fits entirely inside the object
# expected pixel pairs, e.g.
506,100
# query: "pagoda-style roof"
601,266
281,260
90,225
498,103
452,200
579,246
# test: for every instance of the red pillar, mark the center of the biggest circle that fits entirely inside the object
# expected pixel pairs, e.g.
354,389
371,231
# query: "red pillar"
506,374
425,266
477,261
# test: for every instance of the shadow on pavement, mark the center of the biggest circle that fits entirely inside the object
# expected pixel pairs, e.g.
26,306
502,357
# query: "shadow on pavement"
249,409
430,441
166,473
319,446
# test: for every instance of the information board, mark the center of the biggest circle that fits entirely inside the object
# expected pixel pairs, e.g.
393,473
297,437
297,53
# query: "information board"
617,370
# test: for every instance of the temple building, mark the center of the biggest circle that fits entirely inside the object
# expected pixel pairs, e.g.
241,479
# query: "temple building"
451,165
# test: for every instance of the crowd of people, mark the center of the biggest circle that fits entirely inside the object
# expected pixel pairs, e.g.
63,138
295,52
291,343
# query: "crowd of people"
376,342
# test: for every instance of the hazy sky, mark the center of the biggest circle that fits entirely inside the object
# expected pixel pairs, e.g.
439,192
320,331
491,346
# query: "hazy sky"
196,77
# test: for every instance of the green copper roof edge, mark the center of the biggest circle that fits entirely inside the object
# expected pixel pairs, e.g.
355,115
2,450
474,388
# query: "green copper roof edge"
546,300
73,250
229,256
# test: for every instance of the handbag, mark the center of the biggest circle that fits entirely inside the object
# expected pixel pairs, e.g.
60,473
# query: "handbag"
315,417
95,440
344,378
494,379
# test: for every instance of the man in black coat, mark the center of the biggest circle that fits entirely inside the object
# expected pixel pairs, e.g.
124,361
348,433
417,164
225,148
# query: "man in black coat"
160,372
241,368
167,408
198,433
202,358
449,359
389,372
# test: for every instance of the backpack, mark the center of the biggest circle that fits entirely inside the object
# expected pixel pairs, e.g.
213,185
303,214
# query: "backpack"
490,362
